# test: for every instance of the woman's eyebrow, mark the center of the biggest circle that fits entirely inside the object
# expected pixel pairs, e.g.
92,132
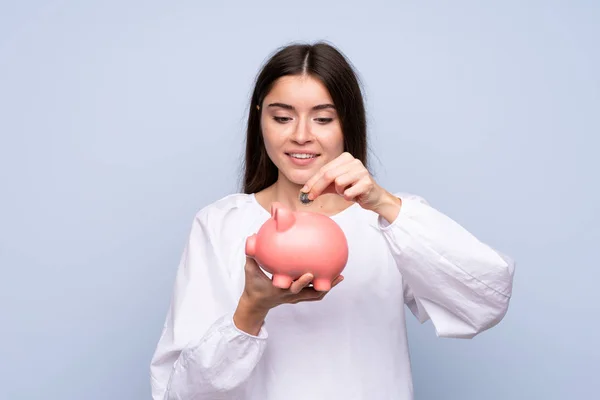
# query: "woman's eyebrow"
323,106
289,107
281,105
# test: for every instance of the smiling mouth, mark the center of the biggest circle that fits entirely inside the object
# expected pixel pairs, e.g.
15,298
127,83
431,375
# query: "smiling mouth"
302,156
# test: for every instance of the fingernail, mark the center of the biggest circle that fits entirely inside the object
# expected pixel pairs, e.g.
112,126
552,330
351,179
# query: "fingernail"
304,189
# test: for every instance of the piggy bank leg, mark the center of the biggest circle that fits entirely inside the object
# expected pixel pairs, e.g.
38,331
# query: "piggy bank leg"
251,246
322,284
282,281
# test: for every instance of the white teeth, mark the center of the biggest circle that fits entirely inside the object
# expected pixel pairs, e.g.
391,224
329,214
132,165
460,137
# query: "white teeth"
298,155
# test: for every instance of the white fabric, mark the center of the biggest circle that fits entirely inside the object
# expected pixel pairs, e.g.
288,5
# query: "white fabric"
352,344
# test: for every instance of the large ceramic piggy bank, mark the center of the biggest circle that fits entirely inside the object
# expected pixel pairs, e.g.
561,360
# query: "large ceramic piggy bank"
290,244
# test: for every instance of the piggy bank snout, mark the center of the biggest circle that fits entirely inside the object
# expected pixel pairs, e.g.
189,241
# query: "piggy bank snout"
251,246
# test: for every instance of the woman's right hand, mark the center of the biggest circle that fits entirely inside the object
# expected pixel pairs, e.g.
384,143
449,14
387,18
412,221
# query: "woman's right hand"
260,295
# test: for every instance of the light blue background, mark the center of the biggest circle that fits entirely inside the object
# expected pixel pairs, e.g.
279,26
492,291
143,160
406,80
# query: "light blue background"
120,119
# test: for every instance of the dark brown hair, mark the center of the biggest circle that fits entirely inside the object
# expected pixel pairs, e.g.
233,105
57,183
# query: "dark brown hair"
324,62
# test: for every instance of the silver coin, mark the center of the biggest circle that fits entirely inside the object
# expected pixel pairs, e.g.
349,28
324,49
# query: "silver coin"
304,198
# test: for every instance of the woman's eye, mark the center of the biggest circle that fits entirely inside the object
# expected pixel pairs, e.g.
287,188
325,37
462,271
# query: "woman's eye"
323,120
282,119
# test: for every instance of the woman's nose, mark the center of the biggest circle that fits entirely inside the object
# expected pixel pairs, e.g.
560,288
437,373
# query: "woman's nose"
302,133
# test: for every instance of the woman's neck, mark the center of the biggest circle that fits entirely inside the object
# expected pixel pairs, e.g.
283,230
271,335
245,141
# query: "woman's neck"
288,194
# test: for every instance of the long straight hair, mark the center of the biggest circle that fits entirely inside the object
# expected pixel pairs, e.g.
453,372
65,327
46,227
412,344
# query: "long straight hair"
321,61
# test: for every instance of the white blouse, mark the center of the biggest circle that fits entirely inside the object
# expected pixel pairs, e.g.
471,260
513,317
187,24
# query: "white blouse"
350,345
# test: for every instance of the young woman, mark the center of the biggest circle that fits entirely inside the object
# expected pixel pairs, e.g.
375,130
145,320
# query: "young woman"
231,334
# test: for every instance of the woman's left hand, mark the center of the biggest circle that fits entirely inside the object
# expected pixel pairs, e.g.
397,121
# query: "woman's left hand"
348,177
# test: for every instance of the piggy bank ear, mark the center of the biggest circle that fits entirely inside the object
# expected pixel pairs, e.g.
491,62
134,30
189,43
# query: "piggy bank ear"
274,206
284,218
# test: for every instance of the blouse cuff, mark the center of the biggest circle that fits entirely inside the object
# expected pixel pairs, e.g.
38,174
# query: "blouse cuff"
409,208
262,334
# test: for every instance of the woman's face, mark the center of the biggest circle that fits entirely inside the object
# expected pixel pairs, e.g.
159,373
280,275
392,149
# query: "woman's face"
300,127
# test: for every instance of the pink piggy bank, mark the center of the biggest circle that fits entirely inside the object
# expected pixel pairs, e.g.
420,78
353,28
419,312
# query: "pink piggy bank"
290,244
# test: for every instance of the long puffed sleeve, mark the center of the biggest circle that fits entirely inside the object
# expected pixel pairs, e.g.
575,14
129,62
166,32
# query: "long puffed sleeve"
450,277
201,354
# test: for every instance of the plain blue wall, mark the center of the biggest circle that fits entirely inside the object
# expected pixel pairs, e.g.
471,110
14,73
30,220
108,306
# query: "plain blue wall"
120,119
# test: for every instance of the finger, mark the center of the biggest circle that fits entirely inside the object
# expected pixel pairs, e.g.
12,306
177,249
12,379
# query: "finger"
340,160
336,162
336,281
327,181
310,294
301,283
331,188
338,179
362,188
347,180
307,294
318,297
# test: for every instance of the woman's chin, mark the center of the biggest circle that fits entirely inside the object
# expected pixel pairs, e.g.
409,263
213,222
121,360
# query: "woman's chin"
298,177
